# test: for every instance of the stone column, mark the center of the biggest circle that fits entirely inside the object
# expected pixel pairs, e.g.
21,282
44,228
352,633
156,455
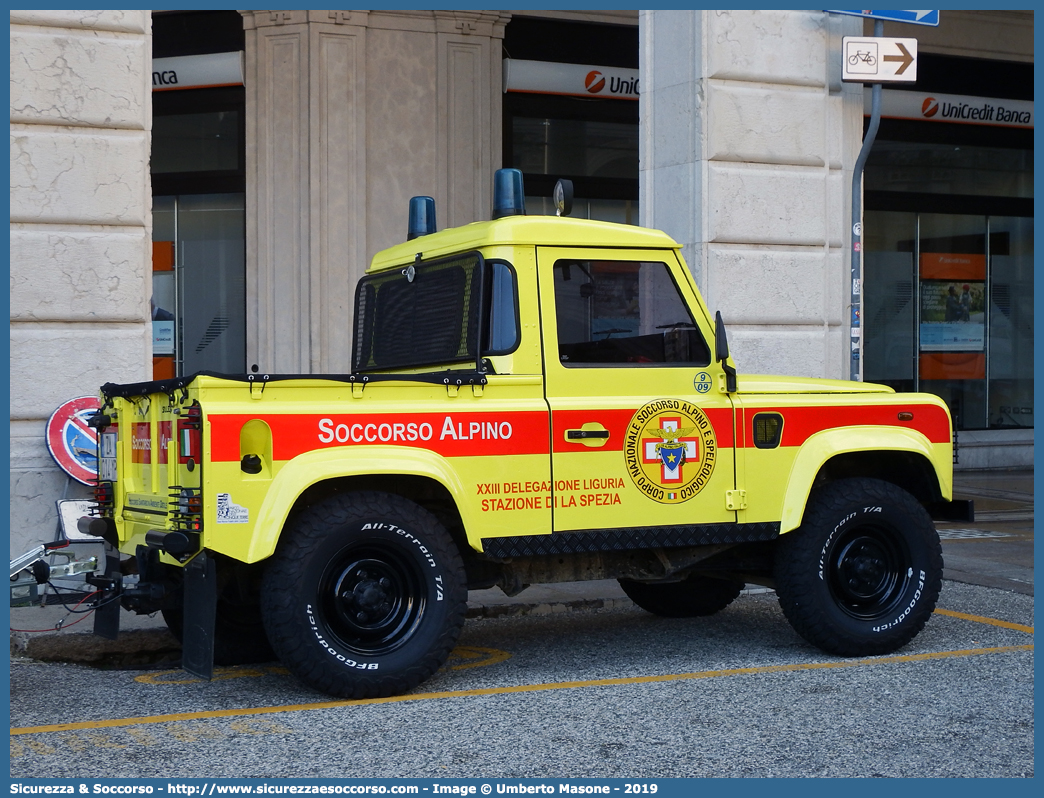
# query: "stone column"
349,114
748,139
81,219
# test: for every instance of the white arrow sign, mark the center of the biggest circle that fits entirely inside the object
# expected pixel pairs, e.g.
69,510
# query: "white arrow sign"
878,60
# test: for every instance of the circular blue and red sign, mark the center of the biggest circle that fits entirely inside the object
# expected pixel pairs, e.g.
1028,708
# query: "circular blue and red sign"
74,445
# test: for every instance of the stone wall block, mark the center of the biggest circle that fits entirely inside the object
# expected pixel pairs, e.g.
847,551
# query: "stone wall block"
125,21
761,125
33,516
835,135
53,363
29,450
836,345
767,46
800,353
675,125
672,197
765,205
676,57
837,284
838,207
772,286
66,175
79,274
79,79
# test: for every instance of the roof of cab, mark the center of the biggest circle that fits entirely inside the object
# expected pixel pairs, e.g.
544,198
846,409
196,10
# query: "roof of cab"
526,231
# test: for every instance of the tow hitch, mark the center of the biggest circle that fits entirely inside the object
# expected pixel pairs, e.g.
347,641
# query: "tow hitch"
31,570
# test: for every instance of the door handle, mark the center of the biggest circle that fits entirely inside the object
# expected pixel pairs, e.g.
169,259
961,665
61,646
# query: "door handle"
592,435
580,434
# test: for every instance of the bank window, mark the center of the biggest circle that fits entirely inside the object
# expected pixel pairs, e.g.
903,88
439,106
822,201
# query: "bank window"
623,313
199,231
948,308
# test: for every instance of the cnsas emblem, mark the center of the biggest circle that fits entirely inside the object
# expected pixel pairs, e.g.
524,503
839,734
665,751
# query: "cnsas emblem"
670,450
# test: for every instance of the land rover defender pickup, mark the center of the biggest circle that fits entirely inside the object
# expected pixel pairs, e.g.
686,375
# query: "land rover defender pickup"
533,399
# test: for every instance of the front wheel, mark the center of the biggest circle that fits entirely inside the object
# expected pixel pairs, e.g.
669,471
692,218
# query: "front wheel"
365,595
863,572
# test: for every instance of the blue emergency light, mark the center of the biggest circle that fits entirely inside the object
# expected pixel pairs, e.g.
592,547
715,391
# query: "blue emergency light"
508,197
422,217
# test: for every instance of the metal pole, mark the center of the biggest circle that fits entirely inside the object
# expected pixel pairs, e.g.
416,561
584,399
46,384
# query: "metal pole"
857,220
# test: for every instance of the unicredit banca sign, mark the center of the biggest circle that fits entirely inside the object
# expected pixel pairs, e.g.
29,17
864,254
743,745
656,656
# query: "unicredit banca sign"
197,71
960,108
575,80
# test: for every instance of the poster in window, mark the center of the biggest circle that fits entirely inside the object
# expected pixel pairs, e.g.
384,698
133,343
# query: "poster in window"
162,337
953,317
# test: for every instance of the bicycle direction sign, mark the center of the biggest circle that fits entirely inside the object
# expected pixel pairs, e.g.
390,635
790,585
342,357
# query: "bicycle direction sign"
912,17
878,60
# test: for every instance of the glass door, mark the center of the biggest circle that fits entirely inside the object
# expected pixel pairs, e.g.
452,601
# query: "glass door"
1010,348
199,291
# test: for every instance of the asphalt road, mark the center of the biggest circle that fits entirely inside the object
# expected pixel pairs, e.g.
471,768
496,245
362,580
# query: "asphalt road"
603,693
995,550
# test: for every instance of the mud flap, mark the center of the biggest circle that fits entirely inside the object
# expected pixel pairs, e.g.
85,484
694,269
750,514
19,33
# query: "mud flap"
107,615
197,655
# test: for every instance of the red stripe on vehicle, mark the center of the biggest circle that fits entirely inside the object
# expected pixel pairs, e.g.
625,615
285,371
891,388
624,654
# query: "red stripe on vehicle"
447,434
801,423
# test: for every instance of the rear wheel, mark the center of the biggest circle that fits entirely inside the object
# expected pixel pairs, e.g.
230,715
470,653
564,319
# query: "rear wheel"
365,596
863,572
694,596
239,634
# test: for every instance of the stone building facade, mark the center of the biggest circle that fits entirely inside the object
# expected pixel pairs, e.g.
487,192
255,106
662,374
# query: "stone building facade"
81,112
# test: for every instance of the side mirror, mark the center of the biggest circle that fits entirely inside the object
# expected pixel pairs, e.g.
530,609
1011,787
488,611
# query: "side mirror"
721,354
721,342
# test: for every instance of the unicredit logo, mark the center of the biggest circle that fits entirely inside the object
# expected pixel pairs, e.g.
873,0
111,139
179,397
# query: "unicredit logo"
930,107
595,81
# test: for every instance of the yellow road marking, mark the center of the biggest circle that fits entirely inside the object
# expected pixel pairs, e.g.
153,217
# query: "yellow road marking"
525,688
464,657
980,619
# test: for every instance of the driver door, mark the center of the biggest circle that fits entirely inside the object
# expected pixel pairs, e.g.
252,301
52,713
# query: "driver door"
642,440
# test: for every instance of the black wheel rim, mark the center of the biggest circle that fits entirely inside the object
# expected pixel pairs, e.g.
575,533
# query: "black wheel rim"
371,598
869,569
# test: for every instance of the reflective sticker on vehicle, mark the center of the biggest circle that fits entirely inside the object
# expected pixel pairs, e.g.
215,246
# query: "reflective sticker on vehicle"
228,512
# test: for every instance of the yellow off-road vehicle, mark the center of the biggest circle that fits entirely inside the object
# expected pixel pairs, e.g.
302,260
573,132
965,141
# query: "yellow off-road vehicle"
533,399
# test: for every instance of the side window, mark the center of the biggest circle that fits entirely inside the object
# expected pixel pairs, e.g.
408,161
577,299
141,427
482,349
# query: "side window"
503,310
625,313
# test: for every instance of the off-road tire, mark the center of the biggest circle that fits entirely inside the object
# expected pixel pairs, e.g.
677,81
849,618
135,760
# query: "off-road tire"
861,575
695,596
365,596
